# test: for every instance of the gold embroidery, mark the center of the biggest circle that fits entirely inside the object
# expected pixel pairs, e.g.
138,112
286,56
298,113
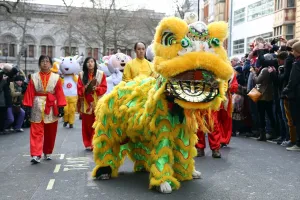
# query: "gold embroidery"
37,114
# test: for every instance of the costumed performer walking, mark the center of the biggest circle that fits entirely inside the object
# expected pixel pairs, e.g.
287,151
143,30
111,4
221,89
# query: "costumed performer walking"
138,66
69,68
44,101
90,88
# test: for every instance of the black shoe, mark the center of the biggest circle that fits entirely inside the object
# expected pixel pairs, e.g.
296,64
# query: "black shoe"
216,154
277,140
262,138
70,125
104,173
200,153
65,124
250,135
223,145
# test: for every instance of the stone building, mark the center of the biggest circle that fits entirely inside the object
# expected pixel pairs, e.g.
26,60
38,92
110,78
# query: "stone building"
285,18
48,32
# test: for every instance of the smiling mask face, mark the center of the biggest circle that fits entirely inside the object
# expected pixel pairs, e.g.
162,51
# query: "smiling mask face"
192,60
69,65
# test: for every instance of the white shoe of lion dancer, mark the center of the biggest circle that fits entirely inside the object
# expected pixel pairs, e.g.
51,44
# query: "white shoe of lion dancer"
35,159
165,188
196,174
47,157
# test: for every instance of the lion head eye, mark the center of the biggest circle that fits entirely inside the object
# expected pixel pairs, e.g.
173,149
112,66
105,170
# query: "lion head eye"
185,42
168,39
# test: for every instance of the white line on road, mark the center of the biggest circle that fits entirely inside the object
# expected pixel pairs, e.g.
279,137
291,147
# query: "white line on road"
57,168
62,156
50,184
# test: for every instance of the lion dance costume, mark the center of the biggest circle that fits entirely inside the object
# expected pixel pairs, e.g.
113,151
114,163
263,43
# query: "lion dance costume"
69,68
154,121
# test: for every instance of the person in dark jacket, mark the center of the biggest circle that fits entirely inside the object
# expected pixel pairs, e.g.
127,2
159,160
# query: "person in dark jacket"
284,76
292,93
5,99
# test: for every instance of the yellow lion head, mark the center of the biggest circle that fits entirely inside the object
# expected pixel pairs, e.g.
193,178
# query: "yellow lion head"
193,61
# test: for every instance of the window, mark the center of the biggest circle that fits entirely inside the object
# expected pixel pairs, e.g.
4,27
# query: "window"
267,36
278,31
47,50
93,52
239,16
43,50
290,3
289,31
238,46
278,4
95,55
74,51
8,46
47,46
30,52
89,52
11,50
260,9
50,51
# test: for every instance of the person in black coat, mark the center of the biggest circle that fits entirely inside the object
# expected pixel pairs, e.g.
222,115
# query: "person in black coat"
292,93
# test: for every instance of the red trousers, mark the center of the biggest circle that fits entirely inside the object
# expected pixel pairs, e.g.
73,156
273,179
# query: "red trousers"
87,129
214,138
42,138
225,126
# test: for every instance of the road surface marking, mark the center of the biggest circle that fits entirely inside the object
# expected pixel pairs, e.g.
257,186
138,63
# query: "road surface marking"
57,168
62,156
50,184
70,169
77,163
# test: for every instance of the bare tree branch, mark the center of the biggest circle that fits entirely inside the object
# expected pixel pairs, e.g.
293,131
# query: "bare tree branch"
9,7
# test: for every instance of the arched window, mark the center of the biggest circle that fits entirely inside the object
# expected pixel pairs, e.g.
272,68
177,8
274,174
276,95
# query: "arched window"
31,46
8,44
47,46
74,48
92,51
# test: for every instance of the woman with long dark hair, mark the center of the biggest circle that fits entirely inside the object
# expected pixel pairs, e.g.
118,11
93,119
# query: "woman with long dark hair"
91,87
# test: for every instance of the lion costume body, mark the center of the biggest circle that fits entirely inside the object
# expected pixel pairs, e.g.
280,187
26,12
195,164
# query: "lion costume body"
154,121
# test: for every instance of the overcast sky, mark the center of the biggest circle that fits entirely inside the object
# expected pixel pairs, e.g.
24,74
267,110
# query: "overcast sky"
165,6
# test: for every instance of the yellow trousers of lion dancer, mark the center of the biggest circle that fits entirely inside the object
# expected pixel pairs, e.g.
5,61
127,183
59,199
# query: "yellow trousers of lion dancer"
70,109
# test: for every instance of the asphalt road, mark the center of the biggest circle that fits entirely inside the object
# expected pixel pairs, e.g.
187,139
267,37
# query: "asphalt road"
247,170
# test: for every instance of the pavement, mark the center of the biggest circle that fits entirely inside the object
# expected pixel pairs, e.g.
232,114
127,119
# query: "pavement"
248,169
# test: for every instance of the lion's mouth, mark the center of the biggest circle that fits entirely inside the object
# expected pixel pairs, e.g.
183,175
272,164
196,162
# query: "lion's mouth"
198,86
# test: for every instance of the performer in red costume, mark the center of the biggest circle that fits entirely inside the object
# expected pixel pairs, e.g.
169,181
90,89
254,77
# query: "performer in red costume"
91,87
214,139
225,112
44,101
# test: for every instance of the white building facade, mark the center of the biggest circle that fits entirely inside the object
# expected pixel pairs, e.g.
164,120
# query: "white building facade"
250,19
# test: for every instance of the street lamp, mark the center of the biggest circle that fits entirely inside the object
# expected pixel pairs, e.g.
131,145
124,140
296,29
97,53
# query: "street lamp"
25,56
198,10
5,53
